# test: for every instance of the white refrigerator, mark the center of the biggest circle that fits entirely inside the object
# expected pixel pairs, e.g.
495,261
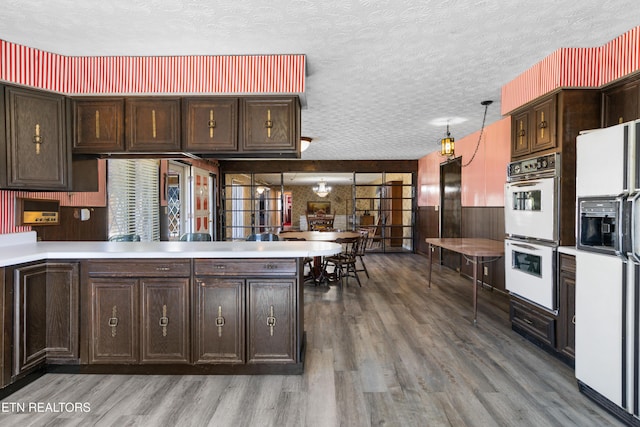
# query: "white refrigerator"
608,268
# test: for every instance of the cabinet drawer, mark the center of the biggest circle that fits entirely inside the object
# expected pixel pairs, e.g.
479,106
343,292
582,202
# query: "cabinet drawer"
139,268
245,267
533,321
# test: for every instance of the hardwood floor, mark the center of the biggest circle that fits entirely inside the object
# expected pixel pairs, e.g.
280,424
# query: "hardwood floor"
391,352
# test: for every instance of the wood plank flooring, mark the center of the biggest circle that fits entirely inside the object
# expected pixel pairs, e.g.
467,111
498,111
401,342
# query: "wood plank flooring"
390,353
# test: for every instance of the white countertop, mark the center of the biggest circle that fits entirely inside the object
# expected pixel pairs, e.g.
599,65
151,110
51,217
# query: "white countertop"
19,248
569,250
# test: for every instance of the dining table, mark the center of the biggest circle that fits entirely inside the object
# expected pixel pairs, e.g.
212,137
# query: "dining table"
318,272
474,250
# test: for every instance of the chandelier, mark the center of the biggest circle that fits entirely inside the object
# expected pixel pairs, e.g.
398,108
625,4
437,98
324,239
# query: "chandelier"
322,189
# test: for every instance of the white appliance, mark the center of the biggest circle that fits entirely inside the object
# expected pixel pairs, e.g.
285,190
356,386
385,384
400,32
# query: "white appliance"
530,270
531,223
607,348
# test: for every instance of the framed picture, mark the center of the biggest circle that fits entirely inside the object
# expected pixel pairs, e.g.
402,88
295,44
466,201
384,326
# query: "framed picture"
319,208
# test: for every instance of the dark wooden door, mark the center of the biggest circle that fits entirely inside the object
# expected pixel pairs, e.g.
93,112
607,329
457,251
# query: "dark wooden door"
450,208
270,124
30,330
165,320
37,153
621,104
210,124
98,125
544,125
153,124
114,320
220,326
520,134
270,314
62,312
567,306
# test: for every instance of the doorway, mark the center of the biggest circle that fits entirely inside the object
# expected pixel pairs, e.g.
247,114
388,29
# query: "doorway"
451,208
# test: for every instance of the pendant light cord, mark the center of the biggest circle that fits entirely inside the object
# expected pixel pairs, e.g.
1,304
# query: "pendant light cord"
484,118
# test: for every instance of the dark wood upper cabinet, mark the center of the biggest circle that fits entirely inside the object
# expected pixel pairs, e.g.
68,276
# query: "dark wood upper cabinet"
36,154
153,125
520,134
270,125
98,125
544,125
621,103
210,124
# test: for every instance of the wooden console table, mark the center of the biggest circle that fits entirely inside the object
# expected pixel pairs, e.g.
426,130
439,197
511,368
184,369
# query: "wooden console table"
473,248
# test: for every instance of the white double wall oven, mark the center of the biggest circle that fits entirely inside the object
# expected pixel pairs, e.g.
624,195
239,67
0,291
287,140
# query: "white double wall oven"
532,228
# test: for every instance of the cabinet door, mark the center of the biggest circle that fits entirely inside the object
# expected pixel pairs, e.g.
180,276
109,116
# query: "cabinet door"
621,104
153,124
567,309
544,125
210,125
271,317
37,154
114,320
520,134
270,125
62,312
98,125
219,316
30,329
165,322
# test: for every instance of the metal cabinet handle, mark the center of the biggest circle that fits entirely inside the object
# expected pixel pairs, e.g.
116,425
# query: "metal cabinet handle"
113,321
164,320
271,321
219,321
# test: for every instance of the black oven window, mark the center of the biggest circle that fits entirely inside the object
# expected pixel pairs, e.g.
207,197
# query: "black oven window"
527,200
527,263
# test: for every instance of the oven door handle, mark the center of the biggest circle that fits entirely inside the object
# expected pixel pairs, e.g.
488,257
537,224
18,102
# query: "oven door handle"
526,184
525,246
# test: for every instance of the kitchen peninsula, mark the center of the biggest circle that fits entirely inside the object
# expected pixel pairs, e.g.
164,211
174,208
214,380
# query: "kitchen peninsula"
152,307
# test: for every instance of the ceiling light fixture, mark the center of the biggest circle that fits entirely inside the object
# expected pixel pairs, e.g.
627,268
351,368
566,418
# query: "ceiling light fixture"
322,189
305,142
448,145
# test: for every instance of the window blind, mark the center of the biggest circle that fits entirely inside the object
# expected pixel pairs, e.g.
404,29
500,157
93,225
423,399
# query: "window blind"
133,198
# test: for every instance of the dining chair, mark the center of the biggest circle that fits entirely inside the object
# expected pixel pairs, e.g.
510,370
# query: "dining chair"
125,238
195,237
263,237
344,264
362,248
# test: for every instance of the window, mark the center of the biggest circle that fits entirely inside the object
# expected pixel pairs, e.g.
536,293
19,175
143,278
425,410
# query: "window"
133,202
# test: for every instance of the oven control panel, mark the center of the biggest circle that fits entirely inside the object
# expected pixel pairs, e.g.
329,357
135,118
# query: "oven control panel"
547,165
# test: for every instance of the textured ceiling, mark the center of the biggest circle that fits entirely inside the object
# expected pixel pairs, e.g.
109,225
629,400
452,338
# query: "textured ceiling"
378,71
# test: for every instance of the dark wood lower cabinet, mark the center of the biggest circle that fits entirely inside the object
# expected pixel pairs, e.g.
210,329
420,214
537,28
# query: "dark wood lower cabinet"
567,306
165,321
194,316
114,321
46,308
271,304
554,332
219,329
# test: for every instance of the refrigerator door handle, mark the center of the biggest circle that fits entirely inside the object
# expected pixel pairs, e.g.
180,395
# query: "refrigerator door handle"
630,218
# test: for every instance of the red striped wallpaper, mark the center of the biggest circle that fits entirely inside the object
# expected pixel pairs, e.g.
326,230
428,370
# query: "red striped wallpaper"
575,67
151,74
